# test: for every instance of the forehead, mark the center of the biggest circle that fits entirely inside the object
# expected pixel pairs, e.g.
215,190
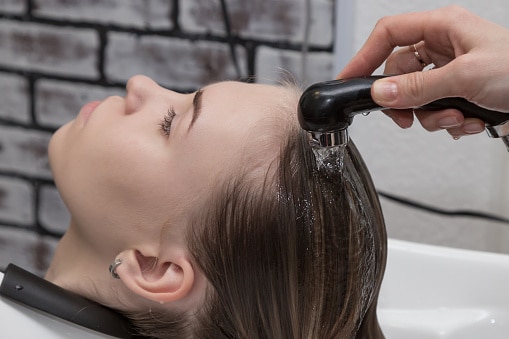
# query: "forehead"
248,122
254,92
251,102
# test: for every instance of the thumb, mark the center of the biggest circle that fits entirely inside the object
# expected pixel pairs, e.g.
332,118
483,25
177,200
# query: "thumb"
410,90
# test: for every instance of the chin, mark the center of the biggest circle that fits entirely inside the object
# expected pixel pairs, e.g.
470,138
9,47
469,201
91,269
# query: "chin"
55,148
60,158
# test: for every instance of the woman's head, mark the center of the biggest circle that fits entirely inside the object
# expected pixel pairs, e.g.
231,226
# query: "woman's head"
123,164
222,220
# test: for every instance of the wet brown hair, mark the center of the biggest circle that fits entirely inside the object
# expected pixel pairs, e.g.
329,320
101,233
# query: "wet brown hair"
299,255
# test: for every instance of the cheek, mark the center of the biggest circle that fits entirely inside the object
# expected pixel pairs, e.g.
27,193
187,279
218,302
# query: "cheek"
128,169
117,170
131,203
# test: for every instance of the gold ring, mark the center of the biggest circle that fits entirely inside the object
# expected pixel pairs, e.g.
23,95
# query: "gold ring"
418,56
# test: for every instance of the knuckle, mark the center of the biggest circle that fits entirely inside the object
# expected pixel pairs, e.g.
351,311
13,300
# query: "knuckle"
383,26
414,86
456,12
382,22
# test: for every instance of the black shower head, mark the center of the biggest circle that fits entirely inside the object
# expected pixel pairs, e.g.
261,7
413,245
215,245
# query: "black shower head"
326,109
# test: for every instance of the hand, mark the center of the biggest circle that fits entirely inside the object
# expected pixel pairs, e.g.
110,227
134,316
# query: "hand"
470,58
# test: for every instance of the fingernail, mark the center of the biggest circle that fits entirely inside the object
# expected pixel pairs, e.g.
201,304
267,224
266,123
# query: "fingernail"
473,128
385,91
448,122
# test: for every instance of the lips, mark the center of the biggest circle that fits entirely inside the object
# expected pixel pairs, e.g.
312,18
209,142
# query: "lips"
86,111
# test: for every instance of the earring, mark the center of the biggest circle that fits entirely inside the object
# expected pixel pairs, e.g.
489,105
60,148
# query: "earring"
113,268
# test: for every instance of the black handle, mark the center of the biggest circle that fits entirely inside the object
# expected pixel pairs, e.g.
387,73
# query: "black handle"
40,294
469,110
331,105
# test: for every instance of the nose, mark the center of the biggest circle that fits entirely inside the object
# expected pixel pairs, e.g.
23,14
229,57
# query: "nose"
143,91
139,89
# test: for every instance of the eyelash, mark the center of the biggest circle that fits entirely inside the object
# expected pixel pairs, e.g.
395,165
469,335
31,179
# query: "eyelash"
167,120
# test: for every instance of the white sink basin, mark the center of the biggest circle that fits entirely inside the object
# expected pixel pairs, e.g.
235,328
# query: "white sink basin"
438,292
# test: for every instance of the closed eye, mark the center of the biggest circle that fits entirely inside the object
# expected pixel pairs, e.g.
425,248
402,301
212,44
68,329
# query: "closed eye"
167,120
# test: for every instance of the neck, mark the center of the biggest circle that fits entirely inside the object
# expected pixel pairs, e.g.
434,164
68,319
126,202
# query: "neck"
80,269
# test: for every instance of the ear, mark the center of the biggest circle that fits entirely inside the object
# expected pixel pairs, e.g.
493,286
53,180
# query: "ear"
155,279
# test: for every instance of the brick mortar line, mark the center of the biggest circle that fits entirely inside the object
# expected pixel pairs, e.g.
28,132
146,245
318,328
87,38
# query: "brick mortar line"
34,126
31,179
175,15
29,228
36,75
36,185
36,204
101,54
32,100
29,8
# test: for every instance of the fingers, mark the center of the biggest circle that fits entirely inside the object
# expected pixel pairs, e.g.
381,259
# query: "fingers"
408,59
451,120
470,126
390,32
437,120
415,89
433,38
404,118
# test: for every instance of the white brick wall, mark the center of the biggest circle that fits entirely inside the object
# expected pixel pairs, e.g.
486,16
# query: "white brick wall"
268,20
139,14
12,6
15,201
45,48
176,63
58,102
53,214
24,151
318,65
14,93
26,249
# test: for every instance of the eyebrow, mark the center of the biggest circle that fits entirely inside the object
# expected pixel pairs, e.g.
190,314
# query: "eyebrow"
197,101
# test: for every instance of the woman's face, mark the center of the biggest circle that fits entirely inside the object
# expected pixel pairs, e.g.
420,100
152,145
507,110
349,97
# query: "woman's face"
124,172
